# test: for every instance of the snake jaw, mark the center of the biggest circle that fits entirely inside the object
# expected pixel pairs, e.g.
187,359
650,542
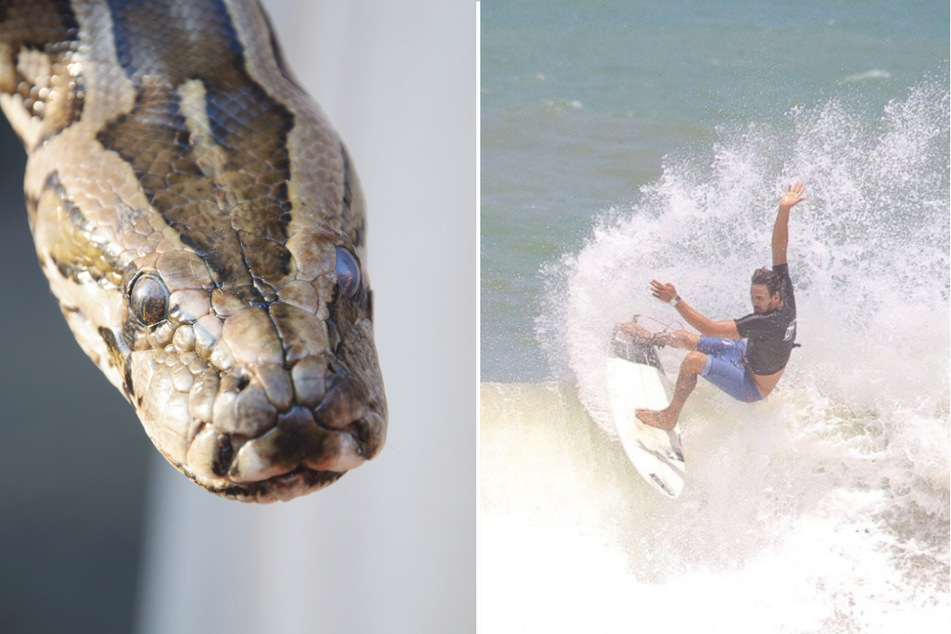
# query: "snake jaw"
283,488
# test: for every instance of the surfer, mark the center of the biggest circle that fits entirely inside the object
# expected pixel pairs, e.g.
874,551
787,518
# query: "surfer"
744,357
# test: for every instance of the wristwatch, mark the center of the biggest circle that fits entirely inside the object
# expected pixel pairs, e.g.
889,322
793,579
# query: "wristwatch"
674,300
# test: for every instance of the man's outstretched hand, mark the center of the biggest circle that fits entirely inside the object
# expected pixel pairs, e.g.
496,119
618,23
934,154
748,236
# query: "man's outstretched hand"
663,292
793,196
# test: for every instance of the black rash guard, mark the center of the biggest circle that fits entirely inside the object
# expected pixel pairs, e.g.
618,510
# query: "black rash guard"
771,336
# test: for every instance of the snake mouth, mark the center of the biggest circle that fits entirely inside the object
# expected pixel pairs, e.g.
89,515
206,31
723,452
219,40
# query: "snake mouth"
304,451
303,475
293,475
298,481
285,487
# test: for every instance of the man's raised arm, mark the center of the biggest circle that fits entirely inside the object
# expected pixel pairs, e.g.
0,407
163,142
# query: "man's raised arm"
790,199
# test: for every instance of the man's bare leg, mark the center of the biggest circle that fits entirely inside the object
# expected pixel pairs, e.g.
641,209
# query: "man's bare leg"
691,367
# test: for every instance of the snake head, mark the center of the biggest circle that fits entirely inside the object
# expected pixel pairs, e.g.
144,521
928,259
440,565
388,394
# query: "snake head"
254,394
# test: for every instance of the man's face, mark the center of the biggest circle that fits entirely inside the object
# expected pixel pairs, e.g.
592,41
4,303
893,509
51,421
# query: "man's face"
763,302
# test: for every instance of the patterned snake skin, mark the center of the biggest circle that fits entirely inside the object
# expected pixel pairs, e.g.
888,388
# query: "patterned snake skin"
202,227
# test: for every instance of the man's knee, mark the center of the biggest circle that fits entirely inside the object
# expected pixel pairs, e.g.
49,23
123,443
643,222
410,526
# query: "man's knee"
694,362
687,340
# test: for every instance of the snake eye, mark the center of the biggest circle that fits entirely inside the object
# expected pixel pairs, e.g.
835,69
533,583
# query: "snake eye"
347,272
149,299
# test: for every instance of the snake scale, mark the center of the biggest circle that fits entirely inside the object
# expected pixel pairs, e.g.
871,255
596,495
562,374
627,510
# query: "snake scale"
203,229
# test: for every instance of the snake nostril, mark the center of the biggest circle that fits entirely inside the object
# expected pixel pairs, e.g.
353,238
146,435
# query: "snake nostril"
223,457
360,430
363,431
242,383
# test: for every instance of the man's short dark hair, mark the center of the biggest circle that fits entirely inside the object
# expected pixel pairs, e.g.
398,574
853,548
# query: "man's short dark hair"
768,278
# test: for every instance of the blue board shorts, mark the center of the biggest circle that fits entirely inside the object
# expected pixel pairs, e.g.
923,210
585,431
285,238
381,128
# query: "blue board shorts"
727,369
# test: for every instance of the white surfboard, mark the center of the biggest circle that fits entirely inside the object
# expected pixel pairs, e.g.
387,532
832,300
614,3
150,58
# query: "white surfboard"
636,380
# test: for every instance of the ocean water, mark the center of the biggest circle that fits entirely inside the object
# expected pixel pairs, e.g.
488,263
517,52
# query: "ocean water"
625,141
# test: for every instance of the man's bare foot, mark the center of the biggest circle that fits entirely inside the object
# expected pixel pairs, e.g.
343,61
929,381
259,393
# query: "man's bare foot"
660,419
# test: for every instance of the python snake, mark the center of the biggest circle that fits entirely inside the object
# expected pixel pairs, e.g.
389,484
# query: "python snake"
203,229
